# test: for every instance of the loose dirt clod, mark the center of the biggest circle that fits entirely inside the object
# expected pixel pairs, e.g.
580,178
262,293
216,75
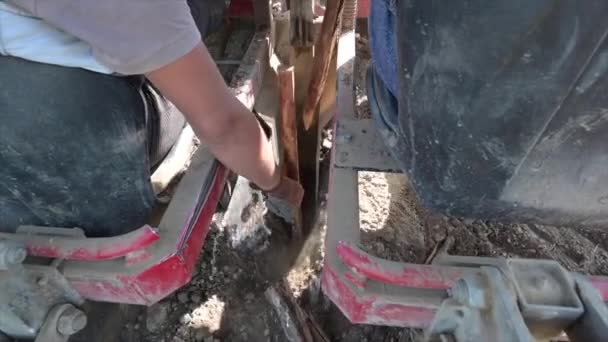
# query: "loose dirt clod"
156,317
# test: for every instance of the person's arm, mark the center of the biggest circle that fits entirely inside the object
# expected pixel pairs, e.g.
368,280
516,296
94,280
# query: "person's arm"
159,38
194,84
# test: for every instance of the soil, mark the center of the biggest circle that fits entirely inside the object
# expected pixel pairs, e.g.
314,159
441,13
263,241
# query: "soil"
225,299
362,60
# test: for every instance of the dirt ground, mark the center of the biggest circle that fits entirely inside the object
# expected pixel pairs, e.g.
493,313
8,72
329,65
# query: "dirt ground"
226,301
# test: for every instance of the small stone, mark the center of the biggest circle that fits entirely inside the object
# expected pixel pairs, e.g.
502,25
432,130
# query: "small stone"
196,298
468,221
157,315
266,332
182,297
200,335
185,319
249,297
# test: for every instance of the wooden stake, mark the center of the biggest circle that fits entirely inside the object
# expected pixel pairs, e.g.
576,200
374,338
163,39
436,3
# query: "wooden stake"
289,130
289,136
324,50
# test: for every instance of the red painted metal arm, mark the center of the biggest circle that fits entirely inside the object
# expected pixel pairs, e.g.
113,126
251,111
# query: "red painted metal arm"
419,276
601,285
83,248
403,274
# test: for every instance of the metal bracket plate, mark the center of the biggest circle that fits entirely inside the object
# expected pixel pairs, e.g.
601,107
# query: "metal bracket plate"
359,146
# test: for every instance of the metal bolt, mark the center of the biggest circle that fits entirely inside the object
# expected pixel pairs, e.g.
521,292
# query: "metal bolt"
43,281
15,255
460,292
71,321
11,254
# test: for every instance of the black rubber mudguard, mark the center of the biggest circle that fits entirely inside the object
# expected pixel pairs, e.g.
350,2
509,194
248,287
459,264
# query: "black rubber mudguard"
504,105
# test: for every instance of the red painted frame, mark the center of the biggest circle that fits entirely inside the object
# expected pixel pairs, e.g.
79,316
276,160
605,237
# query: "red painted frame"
83,248
156,275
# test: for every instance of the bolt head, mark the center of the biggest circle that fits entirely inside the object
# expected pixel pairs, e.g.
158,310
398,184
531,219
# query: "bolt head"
71,321
15,255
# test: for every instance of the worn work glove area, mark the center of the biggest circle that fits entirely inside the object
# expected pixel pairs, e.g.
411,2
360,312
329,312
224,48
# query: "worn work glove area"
285,200
246,220
289,191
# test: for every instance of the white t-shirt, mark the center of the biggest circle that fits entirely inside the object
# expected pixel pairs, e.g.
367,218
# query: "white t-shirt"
130,37
27,37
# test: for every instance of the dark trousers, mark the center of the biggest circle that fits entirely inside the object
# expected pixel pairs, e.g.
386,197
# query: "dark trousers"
77,147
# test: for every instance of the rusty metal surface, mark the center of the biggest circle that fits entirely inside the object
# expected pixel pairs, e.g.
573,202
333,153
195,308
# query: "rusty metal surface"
359,146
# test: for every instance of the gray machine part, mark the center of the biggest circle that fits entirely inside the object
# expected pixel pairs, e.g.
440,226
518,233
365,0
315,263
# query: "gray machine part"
520,300
62,322
28,293
593,325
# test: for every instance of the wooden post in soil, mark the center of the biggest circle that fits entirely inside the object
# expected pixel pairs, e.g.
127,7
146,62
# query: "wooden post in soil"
301,57
289,134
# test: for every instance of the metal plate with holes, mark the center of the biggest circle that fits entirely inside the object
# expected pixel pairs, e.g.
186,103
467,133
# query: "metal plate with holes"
359,146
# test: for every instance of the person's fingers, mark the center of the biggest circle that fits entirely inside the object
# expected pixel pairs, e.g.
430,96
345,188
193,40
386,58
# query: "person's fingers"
289,191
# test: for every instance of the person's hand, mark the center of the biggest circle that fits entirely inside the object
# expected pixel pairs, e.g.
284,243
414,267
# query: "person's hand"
285,199
288,191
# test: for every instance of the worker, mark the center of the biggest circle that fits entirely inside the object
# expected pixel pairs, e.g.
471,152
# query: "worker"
93,94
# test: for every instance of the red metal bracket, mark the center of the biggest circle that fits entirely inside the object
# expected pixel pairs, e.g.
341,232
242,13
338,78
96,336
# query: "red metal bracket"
169,263
83,248
397,273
